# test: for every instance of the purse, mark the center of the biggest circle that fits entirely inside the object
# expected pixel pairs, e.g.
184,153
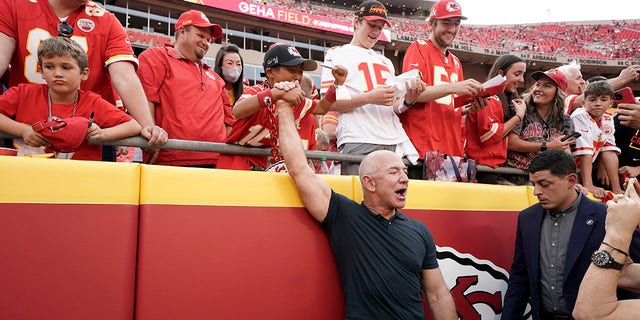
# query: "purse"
442,167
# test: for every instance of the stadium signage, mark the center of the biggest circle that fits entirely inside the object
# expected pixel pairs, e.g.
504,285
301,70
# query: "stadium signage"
287,16
146,39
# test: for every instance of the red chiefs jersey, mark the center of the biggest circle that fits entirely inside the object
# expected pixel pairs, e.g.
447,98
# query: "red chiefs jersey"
254,131
29,22
434,125
27,103
483,129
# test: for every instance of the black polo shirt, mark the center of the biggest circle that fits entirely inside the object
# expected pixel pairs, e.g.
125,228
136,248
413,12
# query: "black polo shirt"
380,261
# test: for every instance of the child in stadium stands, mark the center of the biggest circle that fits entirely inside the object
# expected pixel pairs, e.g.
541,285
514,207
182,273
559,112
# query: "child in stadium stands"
230,66
488,128
597,140
64,66
433,122
256,123
25,24
576,85
545,123
368,121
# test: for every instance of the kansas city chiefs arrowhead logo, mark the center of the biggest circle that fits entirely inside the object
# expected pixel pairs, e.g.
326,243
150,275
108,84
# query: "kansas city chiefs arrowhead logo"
477,286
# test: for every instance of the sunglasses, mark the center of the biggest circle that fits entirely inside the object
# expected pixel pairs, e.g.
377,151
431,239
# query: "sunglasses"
65,30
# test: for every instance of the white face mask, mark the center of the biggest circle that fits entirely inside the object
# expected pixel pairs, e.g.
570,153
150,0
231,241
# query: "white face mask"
231,74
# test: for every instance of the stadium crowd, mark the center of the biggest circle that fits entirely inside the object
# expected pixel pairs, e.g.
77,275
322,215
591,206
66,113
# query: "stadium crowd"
601,40
421,113
615,41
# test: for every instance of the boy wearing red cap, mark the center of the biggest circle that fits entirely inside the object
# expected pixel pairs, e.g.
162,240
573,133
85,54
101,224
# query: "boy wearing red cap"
186,96
432,121
64,66
256,123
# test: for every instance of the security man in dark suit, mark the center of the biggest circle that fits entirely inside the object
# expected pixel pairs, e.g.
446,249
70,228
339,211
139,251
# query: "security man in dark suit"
555,239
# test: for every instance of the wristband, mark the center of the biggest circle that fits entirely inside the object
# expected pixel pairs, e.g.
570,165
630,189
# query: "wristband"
265,99
519,118
409,104
330,95
543,146
615,249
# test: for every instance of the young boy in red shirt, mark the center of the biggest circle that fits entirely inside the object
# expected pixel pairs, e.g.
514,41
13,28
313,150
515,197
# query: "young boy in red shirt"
256,123
63,64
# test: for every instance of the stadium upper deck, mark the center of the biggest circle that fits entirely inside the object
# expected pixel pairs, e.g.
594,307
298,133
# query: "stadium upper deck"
601,47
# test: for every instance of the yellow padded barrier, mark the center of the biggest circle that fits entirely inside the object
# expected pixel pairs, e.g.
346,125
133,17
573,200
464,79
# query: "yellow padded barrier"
215,187
440,195
35,180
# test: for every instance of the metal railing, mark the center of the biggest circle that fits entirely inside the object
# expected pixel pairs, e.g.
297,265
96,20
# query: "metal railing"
189,145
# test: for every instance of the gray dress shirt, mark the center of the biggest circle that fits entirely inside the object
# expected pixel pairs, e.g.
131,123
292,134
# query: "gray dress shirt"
554,241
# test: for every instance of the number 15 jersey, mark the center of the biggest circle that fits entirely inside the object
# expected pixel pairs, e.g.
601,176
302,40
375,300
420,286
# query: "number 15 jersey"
370,123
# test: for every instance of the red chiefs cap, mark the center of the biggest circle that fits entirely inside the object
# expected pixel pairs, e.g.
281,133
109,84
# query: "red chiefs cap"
372,10
198,19
556,76
65,135
446,9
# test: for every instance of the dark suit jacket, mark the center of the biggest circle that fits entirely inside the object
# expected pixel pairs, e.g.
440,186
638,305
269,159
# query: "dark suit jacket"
524,279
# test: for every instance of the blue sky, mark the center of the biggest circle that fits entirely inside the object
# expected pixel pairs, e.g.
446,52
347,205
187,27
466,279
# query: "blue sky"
491,12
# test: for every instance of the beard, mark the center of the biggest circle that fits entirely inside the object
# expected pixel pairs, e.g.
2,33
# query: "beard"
199,54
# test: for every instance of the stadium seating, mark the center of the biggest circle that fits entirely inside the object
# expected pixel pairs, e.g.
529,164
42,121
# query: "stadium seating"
594,40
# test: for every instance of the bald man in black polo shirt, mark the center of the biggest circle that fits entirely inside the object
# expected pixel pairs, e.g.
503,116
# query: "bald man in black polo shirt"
386,260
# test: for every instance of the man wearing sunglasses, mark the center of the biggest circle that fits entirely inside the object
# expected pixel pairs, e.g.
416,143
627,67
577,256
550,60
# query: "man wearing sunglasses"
25,24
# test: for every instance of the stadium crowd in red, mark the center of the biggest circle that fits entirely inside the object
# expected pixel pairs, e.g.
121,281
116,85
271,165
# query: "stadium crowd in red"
614,40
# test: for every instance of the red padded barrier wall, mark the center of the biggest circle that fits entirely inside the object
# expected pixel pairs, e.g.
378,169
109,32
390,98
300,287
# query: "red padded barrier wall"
234,263
68,236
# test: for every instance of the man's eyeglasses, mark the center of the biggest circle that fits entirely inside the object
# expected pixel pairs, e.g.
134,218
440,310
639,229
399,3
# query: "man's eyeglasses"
65,30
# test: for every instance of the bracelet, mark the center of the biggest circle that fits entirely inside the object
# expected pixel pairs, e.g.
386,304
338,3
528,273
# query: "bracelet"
265,99
543,146
330,95
615,249
519,117
410,104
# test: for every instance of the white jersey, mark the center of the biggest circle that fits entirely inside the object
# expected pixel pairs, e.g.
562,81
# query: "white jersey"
370,123
594,138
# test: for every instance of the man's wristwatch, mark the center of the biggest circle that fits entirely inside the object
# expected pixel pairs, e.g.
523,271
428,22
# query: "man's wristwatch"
543,146
603,259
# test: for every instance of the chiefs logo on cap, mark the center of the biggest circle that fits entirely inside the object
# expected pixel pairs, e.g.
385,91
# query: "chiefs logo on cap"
452,6
294,52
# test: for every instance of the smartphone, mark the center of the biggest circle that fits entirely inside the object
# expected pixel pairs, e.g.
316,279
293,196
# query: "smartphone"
624,95
569,136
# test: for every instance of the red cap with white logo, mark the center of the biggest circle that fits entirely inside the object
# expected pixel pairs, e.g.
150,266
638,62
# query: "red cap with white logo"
198,19
444,9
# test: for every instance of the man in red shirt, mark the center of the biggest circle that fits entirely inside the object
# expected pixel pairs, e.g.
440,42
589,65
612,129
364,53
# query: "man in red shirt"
25,24
432,121
188,98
